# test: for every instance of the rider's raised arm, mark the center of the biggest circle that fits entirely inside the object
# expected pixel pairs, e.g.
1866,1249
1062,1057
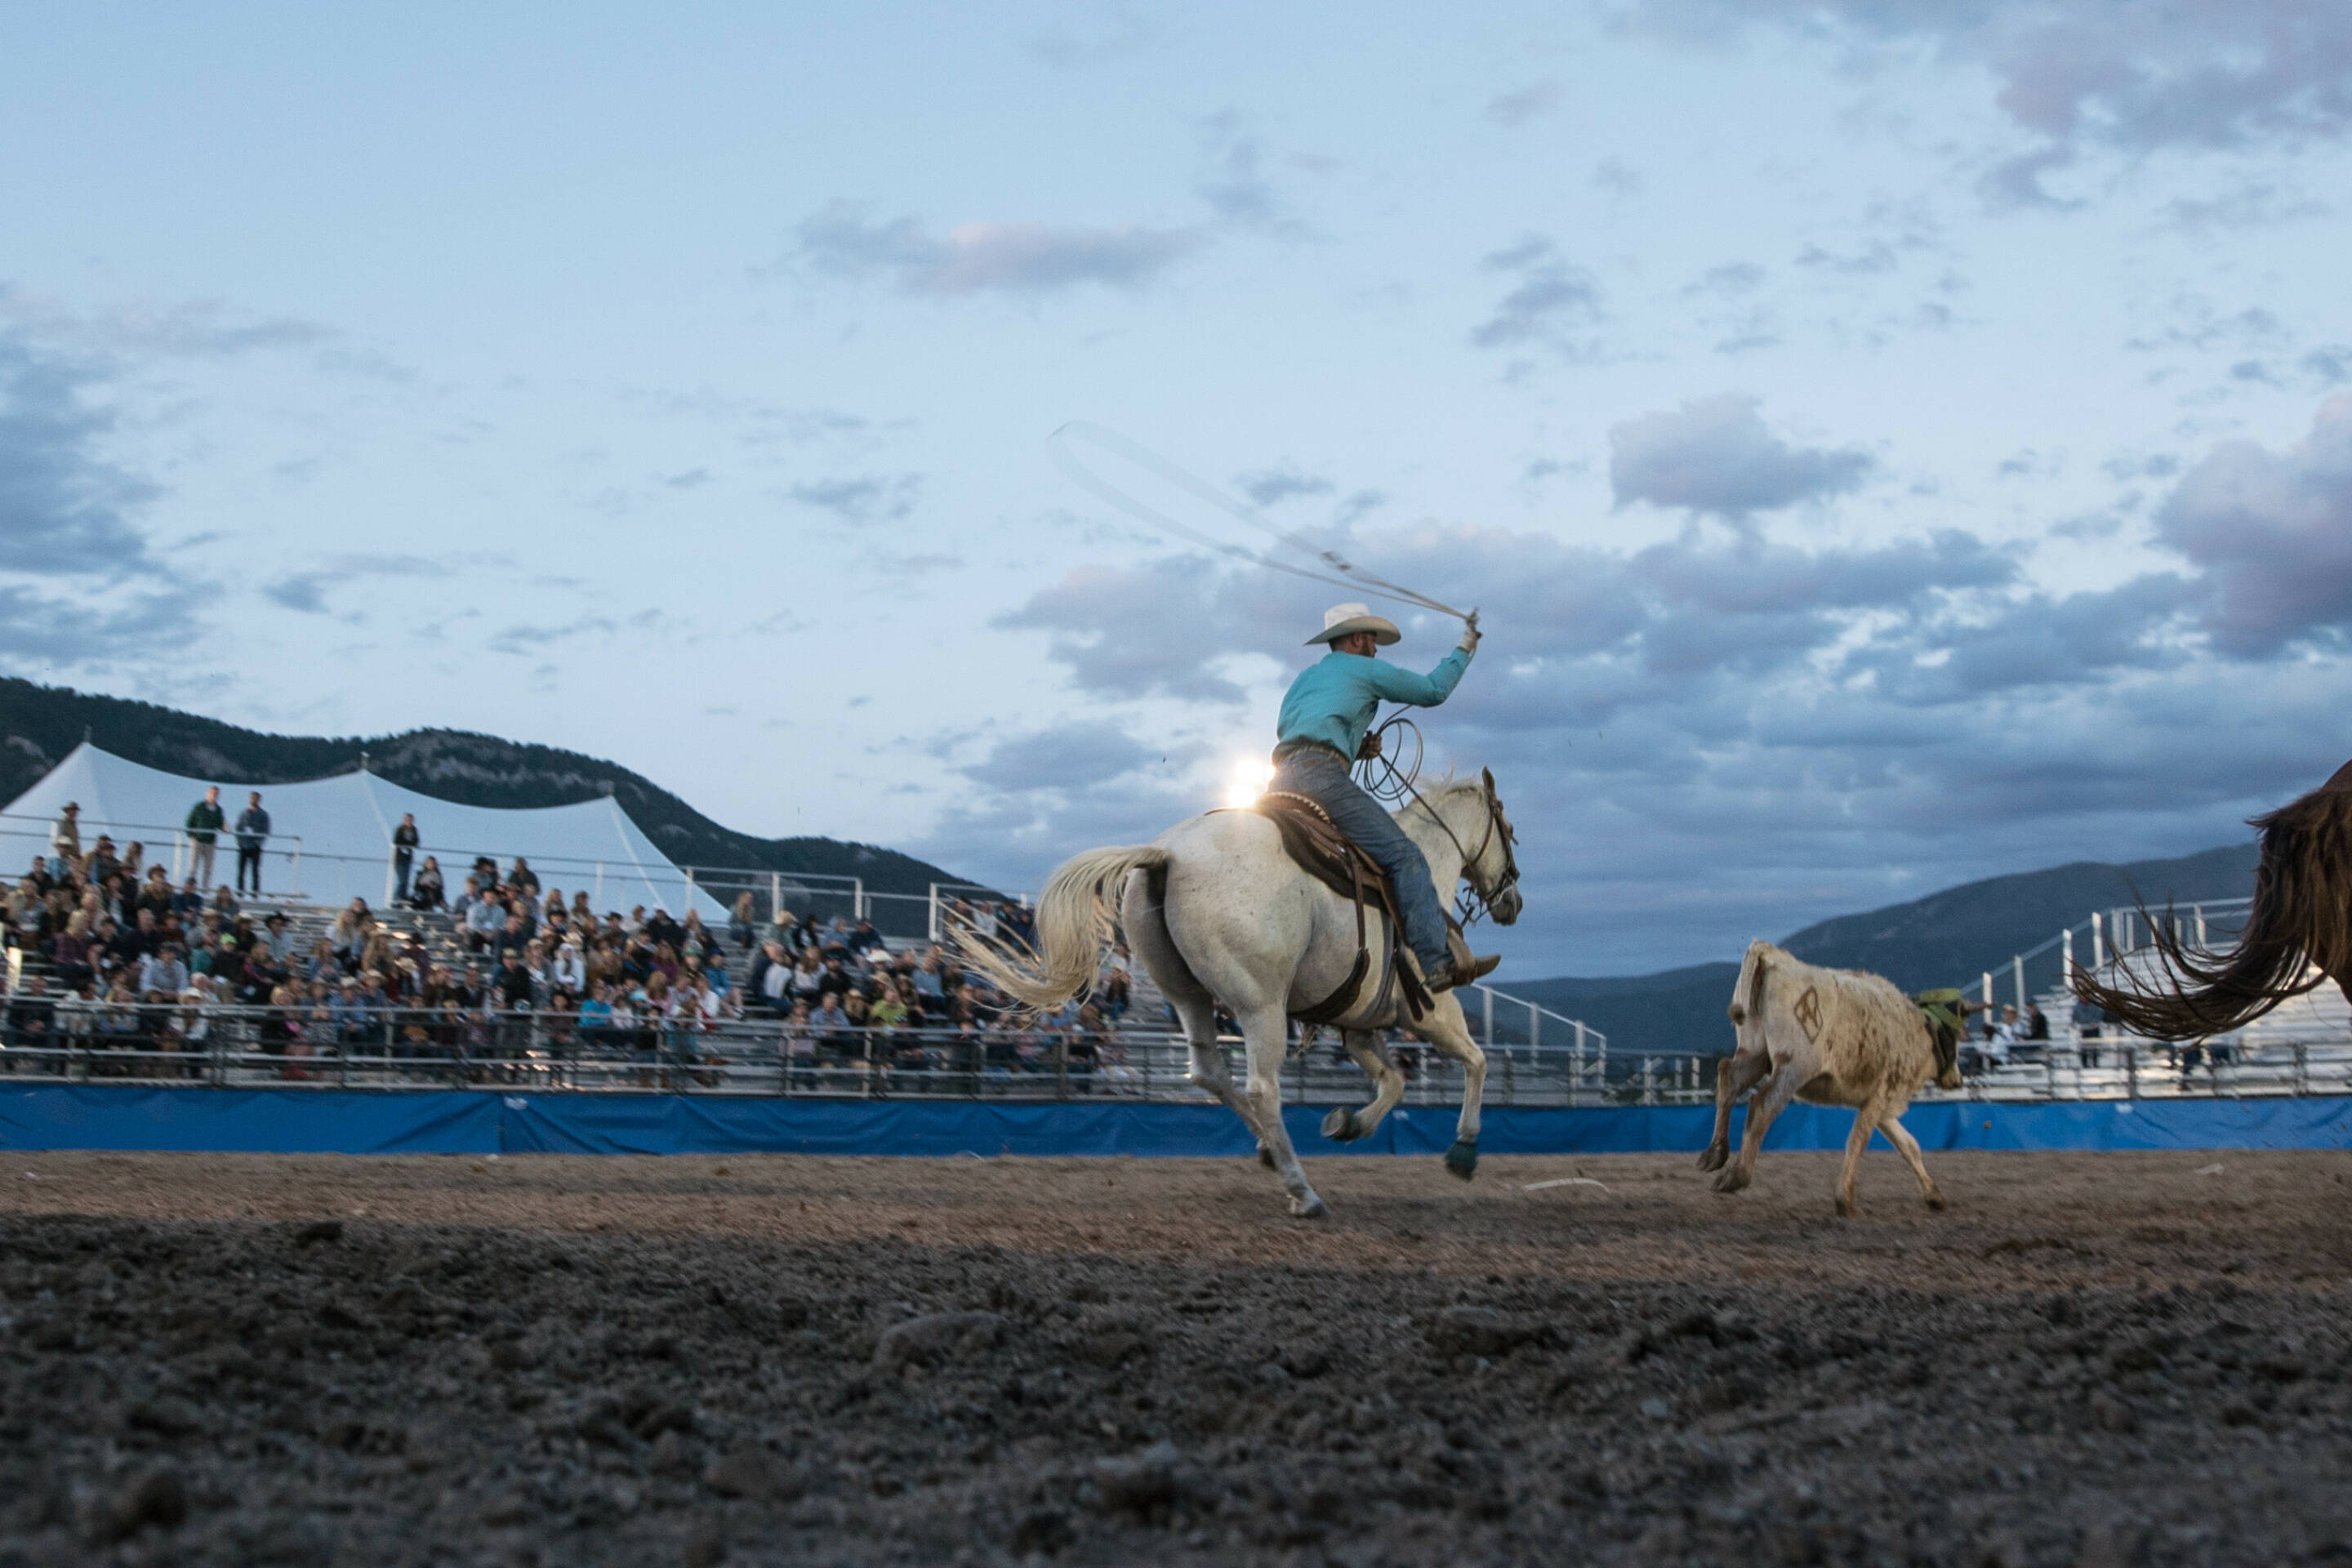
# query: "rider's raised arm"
1396,684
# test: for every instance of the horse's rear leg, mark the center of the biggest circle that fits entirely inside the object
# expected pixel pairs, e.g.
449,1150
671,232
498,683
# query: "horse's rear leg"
1345,1126
1146,928
1734,1076
1449,1031
1267,1033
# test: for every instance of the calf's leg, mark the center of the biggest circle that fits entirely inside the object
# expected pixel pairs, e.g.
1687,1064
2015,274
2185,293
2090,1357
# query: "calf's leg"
1734,1075
1771,1099
1865,1118
1908,1147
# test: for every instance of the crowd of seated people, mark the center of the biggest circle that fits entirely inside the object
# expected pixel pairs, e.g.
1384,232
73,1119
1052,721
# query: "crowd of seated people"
128,960
853,1007
117,957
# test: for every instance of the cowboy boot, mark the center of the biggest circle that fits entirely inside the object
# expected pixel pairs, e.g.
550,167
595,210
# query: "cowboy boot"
1464,968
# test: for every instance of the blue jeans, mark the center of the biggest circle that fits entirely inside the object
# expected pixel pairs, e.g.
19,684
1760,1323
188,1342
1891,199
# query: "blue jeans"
1319,774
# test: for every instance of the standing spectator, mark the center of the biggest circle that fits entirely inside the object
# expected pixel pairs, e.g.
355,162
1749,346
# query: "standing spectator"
65,840
404,841
205,819
523,878
252,833
738,923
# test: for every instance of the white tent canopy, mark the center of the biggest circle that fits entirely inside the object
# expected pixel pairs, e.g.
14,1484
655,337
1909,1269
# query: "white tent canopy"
332,839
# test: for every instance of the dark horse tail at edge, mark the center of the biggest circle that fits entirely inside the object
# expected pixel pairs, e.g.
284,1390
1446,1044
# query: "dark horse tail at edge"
2302,915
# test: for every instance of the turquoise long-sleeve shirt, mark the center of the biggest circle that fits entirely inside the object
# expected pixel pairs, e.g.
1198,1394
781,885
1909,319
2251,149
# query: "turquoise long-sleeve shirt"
1334,698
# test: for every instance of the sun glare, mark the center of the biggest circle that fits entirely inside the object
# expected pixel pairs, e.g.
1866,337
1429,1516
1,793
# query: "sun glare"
1246,780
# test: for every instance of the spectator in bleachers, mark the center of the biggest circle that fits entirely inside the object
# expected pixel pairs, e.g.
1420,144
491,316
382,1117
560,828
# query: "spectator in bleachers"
523,878
205,819
163,974
405,840
426,892
100,863
65,841
485,918
277,935
252,833
348,1013
741,920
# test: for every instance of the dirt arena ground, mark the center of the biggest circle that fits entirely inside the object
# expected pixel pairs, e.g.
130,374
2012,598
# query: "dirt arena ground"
2088,1360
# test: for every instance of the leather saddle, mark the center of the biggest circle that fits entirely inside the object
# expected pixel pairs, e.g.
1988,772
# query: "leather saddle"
1317,846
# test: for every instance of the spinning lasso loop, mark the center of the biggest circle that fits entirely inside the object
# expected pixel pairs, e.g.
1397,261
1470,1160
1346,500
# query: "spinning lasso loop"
1387,778
1336,569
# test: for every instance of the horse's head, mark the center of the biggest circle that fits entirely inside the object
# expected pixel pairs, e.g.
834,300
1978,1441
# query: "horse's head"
1492,869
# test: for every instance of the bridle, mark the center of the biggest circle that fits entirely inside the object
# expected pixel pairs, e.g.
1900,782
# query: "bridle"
1470,905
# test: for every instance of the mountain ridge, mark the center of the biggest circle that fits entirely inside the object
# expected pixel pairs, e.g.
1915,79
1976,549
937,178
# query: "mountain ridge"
40,725
1948,937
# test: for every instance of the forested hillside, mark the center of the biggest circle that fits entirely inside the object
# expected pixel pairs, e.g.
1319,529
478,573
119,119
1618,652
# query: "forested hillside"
1947,938
39,725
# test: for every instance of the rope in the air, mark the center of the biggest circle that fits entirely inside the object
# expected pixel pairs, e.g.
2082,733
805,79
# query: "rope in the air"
1340,572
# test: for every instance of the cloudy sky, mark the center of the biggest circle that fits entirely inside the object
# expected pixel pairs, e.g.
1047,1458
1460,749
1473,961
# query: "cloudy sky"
1890,443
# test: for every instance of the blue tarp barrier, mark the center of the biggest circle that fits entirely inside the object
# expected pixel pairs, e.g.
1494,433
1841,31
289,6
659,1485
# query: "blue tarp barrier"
129,1117
253,1120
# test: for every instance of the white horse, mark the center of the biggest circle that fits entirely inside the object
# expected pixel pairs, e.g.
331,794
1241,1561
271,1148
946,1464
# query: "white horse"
1219,912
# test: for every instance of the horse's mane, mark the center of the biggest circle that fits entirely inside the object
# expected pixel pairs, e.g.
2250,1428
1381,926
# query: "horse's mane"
1443,788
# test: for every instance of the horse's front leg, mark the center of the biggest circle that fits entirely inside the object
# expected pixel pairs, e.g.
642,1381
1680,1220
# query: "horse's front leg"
1345,1126
1265,1032
1449,1031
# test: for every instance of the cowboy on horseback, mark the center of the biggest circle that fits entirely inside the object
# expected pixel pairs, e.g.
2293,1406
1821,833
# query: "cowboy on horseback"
1325,725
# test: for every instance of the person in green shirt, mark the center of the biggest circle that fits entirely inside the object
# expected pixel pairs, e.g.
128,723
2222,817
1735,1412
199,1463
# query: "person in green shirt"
1320,732
205,819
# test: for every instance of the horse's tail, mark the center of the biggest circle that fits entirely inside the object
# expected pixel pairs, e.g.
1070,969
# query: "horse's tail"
1074,924
2301,914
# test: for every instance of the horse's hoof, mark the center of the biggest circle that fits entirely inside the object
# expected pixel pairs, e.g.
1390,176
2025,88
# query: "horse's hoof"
1340,1126
1712,1158
1845,1208
1934,1200
1462,1160
1265,1156
1731,1181
1309,1207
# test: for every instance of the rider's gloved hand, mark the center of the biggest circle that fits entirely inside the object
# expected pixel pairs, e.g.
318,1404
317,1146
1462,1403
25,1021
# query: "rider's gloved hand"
1469,643
1371,746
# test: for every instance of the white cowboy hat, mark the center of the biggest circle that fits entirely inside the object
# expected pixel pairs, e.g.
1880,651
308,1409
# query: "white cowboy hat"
1344,620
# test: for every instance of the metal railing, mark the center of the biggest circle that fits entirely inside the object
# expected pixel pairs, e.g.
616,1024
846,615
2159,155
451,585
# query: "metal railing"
222,1045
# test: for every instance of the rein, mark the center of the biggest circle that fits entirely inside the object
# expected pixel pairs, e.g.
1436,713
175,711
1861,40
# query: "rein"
1470,905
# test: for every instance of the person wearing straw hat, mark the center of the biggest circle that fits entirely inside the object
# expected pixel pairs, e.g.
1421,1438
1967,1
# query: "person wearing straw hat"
1326,717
